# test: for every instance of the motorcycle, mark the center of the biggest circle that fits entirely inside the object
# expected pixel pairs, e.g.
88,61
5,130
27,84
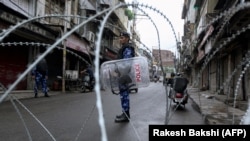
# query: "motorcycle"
179,98
178,92
156,78
87,83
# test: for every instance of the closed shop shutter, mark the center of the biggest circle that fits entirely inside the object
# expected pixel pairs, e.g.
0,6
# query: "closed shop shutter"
13,61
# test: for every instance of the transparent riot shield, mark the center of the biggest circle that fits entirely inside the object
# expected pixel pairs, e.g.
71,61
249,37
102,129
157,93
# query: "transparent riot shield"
132,72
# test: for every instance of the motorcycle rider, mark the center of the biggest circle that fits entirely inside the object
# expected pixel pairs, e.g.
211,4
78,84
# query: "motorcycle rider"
87,78
88,71
180,84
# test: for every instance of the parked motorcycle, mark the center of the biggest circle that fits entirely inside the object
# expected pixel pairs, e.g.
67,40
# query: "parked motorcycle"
156,78
87,84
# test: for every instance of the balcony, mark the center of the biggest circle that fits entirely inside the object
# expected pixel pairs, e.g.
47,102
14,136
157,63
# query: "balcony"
112,28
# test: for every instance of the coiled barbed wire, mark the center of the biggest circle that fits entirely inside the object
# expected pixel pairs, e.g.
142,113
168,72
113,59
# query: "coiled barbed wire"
6,32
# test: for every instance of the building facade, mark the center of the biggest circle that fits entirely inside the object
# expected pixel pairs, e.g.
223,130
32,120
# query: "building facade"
163,59
20,47
215,44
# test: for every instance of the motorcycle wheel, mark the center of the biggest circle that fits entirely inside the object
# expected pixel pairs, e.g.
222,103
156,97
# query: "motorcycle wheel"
83,89
91,88
79,85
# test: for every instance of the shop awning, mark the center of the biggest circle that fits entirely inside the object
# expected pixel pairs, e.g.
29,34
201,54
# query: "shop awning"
105,2
87,5
77,44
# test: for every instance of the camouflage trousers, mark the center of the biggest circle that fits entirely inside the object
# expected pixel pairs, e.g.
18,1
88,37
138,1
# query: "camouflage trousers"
40,80
124,96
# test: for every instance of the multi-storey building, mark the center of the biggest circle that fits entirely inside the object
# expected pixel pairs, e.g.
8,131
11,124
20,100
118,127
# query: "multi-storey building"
215,43
57,17
163,59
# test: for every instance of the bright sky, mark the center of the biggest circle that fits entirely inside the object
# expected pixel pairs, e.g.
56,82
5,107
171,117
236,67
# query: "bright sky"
172,9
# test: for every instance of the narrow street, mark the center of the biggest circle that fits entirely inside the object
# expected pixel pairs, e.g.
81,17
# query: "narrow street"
207,42
74,116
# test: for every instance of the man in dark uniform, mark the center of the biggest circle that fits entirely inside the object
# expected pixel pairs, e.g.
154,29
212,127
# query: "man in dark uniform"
40,75
126,51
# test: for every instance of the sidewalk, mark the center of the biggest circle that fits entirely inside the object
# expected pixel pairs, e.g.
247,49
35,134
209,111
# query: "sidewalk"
23,94
212,108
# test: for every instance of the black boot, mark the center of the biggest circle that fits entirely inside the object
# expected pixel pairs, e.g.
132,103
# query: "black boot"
124,117
46,95
119,116
35,95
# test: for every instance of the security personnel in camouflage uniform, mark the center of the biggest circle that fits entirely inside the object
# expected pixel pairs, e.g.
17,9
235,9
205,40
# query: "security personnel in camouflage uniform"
40,74
126,51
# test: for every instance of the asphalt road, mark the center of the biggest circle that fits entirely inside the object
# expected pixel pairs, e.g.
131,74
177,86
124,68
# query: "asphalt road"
74,116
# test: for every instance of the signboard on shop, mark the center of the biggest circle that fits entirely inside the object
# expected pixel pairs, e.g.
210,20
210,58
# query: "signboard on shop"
31,27
77,44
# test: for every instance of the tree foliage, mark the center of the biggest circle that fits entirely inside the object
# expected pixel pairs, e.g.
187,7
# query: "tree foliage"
129,14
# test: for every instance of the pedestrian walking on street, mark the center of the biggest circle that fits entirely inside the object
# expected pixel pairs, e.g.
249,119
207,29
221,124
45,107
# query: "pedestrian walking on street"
40,75
126,51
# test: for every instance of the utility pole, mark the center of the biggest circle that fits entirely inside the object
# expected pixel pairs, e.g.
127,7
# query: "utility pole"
64,45
134,20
